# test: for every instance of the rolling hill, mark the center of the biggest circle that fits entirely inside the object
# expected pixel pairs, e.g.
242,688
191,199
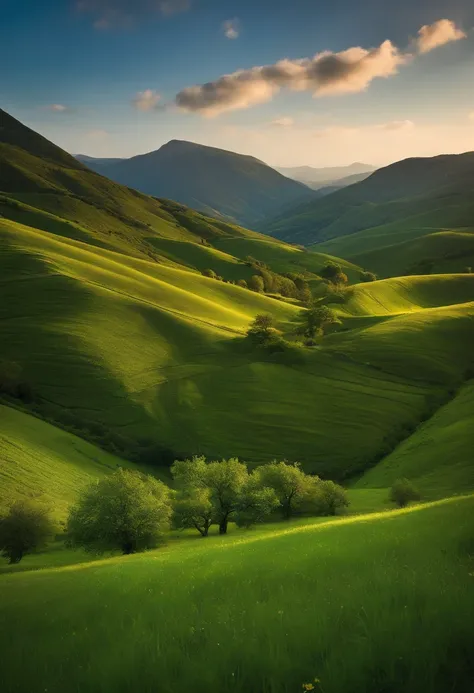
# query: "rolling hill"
214,181
338,176
139,353
409,199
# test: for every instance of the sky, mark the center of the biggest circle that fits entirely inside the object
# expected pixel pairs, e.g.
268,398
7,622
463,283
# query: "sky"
292,82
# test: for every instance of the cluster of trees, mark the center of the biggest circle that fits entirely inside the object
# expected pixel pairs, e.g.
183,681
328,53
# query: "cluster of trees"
130,511
333,275
367,276
313,323
289,285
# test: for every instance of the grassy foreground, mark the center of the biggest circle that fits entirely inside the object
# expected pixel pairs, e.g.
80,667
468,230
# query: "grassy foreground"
366,604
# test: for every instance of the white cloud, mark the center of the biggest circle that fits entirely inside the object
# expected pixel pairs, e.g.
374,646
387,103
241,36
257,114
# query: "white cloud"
58,108
231,28
146,100
284,122
326,73
441,32
397,125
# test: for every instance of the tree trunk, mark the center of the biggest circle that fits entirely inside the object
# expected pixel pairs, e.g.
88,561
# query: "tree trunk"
15,556
128,547
223,526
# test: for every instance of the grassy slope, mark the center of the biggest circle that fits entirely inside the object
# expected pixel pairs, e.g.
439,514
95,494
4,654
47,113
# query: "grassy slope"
37,459
392,251
151,351
438,456
349,602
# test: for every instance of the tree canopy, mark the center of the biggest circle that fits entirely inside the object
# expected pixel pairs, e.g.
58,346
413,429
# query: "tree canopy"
26,527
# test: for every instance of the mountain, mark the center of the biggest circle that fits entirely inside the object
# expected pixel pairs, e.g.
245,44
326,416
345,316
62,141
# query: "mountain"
214,181
96,163
316,178
332,186
415,195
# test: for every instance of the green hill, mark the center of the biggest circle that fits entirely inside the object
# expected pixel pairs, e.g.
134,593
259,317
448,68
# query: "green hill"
217,182
348,602
430,194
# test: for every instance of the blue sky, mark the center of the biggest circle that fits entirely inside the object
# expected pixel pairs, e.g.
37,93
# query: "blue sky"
112,77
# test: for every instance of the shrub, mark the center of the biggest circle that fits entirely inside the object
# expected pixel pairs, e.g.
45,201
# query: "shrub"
128,510
242,283
255,283
403,491
367,277
209,273
332,273
25,527
331,497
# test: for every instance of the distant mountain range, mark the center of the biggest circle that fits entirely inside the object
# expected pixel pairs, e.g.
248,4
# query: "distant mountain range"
331,178
214,181
422,193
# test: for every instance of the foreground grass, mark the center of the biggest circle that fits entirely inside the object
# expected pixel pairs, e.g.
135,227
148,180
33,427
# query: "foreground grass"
368,604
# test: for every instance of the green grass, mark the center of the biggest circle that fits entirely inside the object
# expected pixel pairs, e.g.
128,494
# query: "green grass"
438,456
41,460
364,604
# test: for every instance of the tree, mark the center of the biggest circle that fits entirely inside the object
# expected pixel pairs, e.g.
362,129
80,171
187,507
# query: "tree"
26,527
403,491
315,320
367,277
256,502
255,283
242,283
291,485
233,494
194,509
209,273
128,510
331,497
332,273
261,328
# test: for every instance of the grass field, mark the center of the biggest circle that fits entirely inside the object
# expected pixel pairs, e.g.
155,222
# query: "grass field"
366,604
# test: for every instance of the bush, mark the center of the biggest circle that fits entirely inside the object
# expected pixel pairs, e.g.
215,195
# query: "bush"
255,283
331,497
209,273
403,491
242,283
367,277
128,510
26,527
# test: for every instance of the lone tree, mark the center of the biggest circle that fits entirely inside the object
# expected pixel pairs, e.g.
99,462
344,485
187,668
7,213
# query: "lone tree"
26,527
333,274
315,321
261,328
128,510
403,491
255,283
226,485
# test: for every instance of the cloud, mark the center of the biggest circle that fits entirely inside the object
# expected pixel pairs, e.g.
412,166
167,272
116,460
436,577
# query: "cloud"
146,100
284,122
392,126
124,13
97,135
397,125
59,108
441,32
231,28
326,73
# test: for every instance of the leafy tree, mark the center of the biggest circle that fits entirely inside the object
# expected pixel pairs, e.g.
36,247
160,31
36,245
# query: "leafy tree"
128,511
367,277
209,273
233,494
291,485
315,320
403,491
261,328
255,283
332,273
26,527
194,509
331,497
242,283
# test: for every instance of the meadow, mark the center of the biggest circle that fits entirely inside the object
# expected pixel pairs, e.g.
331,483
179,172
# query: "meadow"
372,603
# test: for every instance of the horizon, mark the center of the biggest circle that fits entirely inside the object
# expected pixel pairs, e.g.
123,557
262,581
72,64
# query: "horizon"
291,86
